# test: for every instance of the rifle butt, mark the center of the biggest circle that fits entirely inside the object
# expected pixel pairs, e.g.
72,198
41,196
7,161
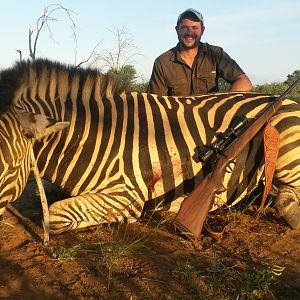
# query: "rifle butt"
194,209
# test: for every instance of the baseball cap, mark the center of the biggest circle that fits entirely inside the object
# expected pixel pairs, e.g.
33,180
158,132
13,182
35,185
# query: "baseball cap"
190,11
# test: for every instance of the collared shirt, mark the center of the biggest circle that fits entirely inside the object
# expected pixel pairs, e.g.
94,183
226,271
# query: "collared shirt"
173,77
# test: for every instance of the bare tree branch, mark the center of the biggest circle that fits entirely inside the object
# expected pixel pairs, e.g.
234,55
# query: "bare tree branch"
43,21
89,57
116,59
113,60
20,54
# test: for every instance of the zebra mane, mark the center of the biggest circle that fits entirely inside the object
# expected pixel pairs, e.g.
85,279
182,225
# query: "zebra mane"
36,75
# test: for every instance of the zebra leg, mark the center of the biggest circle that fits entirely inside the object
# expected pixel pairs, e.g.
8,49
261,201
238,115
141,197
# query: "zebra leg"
91,209
287,205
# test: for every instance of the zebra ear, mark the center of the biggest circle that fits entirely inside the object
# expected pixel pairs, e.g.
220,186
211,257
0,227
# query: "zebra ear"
37,126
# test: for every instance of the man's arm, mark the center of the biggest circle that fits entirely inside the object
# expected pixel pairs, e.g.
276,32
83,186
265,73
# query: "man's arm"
242,84
231,72
157,82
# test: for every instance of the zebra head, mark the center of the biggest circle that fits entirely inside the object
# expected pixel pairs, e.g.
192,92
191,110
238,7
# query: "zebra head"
18,131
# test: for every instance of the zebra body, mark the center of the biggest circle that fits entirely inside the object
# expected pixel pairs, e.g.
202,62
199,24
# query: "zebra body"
113,153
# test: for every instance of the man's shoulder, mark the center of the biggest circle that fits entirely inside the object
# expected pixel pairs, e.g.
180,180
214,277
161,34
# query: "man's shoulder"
211,48
168,55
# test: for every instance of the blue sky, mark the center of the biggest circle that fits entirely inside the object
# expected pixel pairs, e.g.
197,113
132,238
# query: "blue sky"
262,36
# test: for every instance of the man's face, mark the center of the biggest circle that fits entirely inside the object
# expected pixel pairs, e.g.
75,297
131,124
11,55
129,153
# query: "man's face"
189,33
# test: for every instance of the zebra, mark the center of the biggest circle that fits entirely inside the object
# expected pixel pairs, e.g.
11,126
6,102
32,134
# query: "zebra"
114,154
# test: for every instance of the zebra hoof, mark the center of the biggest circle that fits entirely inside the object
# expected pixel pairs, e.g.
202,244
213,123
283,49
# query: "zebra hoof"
288,207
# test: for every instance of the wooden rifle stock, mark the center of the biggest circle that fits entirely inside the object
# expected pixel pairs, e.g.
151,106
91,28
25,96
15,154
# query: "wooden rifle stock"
194,209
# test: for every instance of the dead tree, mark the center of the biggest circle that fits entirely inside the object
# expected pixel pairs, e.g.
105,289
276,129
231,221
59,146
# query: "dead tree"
122,55
44,22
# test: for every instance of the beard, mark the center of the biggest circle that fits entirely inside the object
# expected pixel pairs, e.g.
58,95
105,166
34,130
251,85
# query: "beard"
189,45
186,44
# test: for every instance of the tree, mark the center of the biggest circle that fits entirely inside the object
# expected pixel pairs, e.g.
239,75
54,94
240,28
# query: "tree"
291,78
125,77
44,22
126,80
141,86
123,55
275,88
119,62
223,85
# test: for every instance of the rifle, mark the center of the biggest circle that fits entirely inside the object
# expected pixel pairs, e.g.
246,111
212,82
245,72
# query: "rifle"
194,209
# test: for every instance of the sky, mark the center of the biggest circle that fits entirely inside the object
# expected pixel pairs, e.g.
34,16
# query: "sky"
262,36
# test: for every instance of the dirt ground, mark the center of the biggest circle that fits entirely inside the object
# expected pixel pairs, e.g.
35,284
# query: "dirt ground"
254,259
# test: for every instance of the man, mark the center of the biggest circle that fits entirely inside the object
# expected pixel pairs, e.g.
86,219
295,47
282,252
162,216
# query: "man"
193,67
